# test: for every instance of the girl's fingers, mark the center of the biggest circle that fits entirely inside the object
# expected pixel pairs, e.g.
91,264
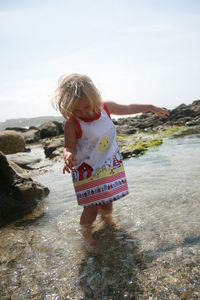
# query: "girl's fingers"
65,169
68,167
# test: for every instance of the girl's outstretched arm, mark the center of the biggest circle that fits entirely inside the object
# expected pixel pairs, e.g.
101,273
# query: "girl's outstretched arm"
129,109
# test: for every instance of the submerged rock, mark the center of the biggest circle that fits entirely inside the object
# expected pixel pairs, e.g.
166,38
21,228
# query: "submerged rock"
133,147
187,131
19,194
25,160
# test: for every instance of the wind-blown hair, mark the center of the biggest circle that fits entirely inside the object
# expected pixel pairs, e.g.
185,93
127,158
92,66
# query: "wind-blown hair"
73,88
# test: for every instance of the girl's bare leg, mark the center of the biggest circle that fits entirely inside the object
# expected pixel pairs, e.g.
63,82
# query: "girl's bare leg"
88,216
105,210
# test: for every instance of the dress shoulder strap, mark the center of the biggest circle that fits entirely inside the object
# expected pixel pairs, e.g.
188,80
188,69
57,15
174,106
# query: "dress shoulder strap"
106,109
78,127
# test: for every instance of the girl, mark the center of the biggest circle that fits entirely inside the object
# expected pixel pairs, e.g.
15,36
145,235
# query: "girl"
91,152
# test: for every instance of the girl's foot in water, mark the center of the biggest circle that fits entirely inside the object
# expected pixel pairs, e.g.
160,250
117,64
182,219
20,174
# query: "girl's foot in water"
88,240
105,212
109,220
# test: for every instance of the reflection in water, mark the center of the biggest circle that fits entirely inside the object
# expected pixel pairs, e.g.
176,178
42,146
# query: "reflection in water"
154,252
112,270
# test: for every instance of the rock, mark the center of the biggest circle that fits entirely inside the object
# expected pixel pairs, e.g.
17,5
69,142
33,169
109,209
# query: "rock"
182,121
20,129
11,142
125,130
32,136
51,128
94,281
132,147
57,154
51,146
60,127
196,107
194,122
48,129
19,171
196,102
182,112
19,194
187,131
24,159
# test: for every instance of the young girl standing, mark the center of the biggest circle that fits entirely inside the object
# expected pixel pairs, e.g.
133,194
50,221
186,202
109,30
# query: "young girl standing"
91,152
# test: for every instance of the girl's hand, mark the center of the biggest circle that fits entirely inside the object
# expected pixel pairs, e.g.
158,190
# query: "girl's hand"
68,165
160,112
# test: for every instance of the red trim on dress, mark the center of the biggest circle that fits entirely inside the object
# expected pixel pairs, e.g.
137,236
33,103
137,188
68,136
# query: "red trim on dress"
78,126
106,109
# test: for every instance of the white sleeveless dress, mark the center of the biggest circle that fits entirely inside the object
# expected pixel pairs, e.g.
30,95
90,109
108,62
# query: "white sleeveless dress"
98,175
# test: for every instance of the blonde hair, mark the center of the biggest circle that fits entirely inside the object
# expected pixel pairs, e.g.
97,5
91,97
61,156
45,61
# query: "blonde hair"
73,88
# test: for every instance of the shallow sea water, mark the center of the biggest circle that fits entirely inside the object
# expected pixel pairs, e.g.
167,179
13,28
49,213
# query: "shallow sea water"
154,253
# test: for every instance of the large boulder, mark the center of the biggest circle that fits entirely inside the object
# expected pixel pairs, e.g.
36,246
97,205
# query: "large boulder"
19,194
11,142
51,128
48,129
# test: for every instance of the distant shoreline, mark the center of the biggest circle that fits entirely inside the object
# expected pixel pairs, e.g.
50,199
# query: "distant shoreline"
27,122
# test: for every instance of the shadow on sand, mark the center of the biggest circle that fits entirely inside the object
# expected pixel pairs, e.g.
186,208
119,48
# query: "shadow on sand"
111,272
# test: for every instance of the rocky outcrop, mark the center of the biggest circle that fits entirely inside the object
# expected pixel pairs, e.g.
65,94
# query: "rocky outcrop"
11,142
19,194
183,114
188,115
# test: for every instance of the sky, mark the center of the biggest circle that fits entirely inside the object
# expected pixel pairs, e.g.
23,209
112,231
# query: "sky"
135,51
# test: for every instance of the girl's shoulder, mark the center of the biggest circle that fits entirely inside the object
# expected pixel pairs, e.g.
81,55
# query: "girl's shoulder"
68,121
73,126
70,124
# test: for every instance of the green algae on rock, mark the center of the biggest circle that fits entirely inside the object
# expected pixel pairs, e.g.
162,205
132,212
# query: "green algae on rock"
179,131
134,147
